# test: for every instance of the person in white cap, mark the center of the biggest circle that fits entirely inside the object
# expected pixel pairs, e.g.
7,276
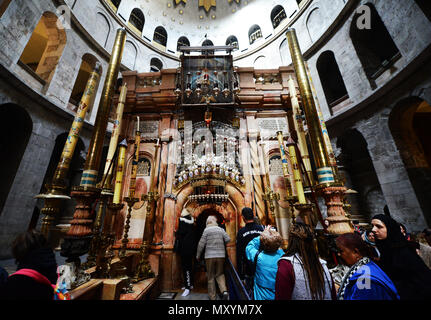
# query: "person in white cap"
186,248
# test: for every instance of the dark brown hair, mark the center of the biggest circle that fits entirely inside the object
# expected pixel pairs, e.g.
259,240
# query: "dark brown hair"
354,241
27,242
301,242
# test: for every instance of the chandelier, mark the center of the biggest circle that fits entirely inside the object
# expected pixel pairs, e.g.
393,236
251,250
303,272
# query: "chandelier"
206,79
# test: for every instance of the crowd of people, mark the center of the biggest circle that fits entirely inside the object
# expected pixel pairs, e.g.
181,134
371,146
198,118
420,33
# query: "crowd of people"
384,262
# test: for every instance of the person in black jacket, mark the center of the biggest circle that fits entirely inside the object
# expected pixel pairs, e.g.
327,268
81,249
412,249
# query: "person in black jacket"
36,273
186,248
399,261
244,236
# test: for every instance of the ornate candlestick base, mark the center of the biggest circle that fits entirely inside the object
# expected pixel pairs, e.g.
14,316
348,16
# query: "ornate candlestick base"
305,212
271,197
105,253
338,222
292,200
78,239
52,205
121,270
143,271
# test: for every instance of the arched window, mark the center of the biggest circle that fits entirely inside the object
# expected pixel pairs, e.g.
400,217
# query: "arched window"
208,43
375,48
277,15
331,78
425,6
183,42
233,41
87,66
101,33
4,5
160,37
137,21
254,33
45,47
156,65
114,4
14,137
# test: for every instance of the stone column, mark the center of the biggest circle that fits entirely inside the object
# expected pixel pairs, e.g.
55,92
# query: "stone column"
397,189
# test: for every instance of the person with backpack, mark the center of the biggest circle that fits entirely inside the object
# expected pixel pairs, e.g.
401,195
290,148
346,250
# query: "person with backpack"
264,252
250,231
301,274
36,274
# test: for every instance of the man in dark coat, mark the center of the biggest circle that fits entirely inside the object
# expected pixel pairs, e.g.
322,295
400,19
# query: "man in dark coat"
186,248
244,236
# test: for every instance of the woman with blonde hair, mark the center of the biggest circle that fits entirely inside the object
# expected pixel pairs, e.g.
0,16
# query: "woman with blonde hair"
301,274
264,252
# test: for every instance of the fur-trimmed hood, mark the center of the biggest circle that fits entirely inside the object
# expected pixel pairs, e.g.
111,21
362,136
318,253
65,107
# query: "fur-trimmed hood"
189,221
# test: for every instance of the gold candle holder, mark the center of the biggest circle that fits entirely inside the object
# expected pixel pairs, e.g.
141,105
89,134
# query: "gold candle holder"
324,170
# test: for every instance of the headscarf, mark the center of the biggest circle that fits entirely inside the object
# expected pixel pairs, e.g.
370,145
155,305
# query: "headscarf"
405,268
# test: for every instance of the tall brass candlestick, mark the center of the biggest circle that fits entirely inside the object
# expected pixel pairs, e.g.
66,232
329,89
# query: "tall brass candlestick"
78,238
329,150
135,162
299,128
296,171
284,163
91,167
57,188
324,170
120,172
143,270
107,174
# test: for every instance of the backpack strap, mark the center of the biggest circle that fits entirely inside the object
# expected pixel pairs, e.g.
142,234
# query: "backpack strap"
255,260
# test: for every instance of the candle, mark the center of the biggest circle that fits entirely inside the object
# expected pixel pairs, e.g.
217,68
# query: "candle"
120,172
135,164
138,127
296,172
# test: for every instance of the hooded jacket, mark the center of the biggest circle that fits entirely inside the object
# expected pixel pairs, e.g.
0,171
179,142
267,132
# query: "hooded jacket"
266,270
186,236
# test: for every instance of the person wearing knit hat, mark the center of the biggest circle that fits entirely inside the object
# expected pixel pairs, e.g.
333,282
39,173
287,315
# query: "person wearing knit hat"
186,248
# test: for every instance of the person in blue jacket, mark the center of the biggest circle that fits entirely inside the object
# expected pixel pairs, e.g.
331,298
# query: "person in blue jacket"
266,249
364,280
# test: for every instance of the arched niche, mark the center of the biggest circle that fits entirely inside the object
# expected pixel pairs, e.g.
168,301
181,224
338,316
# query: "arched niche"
278,14
360,175
130,55
331,79
137,21
314,24
232,41
208,43
409,124
73,178
103,30
160,38
156,65
15,133
45,47
374,45
254,33
182,42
